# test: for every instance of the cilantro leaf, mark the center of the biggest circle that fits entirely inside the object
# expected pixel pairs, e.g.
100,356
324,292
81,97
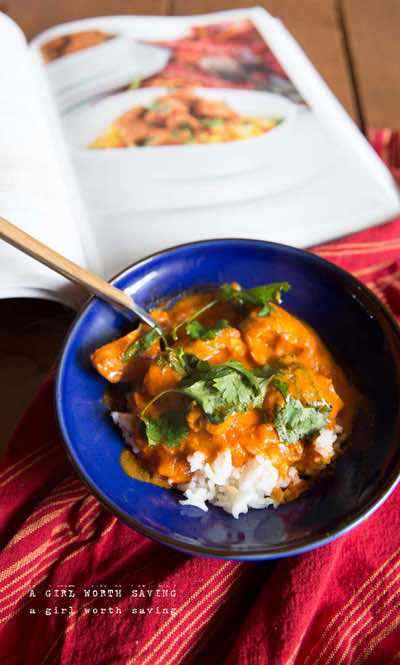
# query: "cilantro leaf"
212,122
182,362
168,429
186,126
224,389
176,359
233,389
162,107
255,379
142,344
259,296
192,317
136,83
281,386
194,364
208,399
295,421
196,330
219,390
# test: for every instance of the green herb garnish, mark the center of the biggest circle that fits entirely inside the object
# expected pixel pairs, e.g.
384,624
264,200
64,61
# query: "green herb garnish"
225,389
142,344
162,107
281,386
185,363
295,421
181,362
259,296
184,132
135,84
176,359
211,122
194,316
186,127
168,429
219,390
196,330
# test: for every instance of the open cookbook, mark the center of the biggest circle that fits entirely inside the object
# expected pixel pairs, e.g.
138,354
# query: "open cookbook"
125,135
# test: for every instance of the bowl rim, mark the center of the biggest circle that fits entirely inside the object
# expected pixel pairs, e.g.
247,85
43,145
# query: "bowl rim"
304,545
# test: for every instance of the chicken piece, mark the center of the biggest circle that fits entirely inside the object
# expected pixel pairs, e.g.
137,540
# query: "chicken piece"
183,309
238,432
182,121
162,317
109,362
132,129
123,132
156,118
227,345
132,115
160,136
280,336
159,378
210,108
307,386
169,104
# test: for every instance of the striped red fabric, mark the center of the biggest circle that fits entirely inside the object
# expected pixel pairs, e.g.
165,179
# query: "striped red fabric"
79,587
387,145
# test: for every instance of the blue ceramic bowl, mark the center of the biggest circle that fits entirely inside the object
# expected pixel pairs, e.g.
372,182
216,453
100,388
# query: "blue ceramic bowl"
355,326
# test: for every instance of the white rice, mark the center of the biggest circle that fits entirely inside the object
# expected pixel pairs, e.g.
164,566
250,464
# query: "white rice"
124,421
231,488
323,443
235,489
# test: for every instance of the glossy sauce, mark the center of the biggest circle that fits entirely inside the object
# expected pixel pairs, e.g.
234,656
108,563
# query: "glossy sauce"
179,118
307,367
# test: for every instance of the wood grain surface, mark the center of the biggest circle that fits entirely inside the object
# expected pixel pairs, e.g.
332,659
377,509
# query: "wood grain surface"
372,28
353,43
33,16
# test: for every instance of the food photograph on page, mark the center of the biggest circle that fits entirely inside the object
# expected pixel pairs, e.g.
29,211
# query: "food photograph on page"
200,344
229,126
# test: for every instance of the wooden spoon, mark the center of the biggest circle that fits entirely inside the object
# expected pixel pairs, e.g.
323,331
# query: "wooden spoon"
91,282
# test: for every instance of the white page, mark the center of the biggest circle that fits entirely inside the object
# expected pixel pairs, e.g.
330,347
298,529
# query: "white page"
311,179
33,190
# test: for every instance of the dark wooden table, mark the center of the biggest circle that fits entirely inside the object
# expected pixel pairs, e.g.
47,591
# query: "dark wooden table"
353,43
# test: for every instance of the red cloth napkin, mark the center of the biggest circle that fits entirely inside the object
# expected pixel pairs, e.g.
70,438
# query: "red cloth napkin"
80,588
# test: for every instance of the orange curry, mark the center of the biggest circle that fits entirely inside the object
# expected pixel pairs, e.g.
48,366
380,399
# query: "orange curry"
181,117
63,45
231,344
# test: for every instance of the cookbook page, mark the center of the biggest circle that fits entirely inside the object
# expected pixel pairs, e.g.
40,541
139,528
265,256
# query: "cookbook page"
33,191
188,128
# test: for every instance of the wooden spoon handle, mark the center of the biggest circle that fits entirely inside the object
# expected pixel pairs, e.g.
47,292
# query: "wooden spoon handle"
93,283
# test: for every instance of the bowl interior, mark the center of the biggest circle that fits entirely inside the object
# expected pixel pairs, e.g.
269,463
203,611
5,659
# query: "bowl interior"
348,318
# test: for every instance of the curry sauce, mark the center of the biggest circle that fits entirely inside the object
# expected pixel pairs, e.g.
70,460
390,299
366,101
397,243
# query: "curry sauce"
181,117
230,376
